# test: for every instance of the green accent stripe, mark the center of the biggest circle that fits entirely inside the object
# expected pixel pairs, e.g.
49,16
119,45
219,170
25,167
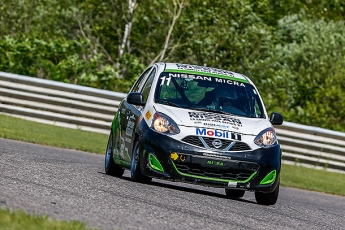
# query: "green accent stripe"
206,74
270,178
154,163
212,179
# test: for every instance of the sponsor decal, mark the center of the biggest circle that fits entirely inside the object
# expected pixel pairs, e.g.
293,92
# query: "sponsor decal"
183,158
148,115
130,127
212,117
174,156
216,125
216,163
232,184
230,82
215,155
218,133
190,77
204,69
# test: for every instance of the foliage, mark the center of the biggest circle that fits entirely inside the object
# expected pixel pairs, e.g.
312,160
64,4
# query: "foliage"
294,47
309,70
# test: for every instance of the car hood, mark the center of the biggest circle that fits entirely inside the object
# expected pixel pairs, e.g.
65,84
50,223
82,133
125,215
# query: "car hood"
211,120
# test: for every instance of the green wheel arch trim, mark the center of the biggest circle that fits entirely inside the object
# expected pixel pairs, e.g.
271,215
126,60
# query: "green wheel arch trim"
115,123
206,74
154,163
213,179
270,178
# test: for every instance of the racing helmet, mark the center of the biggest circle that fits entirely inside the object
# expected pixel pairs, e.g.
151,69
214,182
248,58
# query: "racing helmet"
226,96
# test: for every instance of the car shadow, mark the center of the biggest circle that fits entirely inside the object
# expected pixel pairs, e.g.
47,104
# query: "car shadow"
157,183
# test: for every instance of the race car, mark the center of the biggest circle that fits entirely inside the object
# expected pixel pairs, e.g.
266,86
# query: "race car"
197,124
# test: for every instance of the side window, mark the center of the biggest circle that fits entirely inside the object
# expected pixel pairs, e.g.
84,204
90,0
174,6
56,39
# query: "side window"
137,84
148,85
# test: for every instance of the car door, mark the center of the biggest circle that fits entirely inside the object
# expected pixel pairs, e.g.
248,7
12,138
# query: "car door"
127,120
135,111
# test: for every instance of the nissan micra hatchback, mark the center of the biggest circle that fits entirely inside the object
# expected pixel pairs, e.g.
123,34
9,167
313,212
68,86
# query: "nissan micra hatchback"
199,125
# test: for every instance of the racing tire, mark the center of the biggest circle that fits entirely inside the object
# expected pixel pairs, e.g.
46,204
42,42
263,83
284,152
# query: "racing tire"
136,174
267,198
110,167
234,193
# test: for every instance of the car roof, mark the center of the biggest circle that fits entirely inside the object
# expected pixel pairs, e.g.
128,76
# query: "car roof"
193,69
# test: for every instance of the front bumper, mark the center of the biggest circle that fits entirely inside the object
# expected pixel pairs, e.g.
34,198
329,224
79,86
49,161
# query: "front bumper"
166,158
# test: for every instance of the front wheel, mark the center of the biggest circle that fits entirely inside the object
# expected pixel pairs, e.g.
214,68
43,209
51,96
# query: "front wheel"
110,167
136,174
267,198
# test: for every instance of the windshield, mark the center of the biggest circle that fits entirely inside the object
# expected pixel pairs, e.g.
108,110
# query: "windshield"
208,93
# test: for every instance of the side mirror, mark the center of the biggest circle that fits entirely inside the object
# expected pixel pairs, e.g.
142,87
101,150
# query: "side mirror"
276,118
135,98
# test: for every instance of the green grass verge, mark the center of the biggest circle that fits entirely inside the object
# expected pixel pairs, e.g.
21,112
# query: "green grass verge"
34,132
12,220
313,179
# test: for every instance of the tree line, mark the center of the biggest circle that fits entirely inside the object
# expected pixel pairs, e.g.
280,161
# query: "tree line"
293,50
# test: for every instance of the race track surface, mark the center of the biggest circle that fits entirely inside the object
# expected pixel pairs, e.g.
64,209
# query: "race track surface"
71,185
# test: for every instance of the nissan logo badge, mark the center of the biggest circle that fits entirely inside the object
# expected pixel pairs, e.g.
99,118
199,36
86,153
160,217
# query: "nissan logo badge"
217,143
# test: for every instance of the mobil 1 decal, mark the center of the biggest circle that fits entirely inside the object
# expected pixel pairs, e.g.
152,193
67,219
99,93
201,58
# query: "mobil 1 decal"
212,117
218,134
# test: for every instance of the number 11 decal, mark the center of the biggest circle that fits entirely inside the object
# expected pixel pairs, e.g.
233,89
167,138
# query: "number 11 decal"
163,80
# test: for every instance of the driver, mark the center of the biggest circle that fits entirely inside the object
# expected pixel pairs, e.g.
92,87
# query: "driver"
226,97
225,102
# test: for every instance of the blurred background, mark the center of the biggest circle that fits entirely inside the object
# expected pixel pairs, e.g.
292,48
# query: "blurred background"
293,50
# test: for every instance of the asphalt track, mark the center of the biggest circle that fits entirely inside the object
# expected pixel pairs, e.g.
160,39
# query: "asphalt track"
71,185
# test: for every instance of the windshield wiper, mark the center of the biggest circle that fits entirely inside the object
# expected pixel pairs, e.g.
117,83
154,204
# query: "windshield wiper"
165,102
216,111
208,110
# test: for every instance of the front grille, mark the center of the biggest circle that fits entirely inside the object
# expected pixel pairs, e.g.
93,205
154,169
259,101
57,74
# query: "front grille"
228,174
195,140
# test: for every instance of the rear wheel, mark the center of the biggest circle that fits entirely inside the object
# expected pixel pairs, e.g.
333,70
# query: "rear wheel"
267,198
234,193
136,174
110,167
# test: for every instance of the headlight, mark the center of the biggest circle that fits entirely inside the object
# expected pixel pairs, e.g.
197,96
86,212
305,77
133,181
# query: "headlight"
267,138
164,124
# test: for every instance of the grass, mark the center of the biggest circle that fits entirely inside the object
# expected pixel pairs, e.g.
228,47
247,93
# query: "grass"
313,179
34,132
12,220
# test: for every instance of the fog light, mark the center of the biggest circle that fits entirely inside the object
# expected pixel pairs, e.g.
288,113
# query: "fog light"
154,163
270,178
